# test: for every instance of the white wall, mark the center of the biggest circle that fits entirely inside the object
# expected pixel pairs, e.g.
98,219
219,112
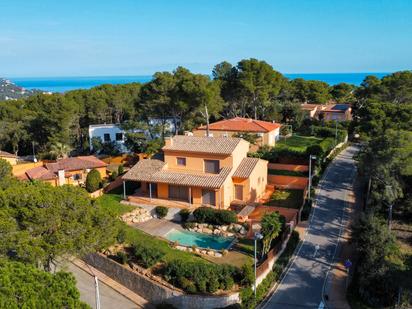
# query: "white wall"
111,129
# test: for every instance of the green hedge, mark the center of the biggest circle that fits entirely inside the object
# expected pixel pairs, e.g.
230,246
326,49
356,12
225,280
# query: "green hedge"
330,132
247,296
214,216
195,277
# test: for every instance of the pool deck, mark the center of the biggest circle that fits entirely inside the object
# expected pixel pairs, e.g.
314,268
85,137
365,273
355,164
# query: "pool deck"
157,227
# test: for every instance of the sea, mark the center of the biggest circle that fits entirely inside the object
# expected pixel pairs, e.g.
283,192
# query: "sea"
63,84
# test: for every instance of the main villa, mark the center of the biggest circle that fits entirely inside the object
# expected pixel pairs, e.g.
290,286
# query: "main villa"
213,171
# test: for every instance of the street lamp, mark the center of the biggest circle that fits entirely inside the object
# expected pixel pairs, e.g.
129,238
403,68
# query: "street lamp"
34,155
258,236
311,157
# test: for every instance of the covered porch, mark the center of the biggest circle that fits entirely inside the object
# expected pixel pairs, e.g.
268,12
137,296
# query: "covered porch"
170,195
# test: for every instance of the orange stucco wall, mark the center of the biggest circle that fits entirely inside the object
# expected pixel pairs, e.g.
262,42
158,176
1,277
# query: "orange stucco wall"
12,161
288,167
290,182
22,168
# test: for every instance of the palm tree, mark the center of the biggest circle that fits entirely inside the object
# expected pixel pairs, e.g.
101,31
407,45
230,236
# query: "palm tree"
60,150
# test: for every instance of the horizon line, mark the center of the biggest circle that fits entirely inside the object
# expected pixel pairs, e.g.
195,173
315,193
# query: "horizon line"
151,75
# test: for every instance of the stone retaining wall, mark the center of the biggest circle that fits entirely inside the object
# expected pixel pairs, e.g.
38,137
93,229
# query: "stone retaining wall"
155,292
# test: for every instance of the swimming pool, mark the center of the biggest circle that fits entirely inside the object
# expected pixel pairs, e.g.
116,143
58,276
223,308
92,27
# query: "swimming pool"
187,238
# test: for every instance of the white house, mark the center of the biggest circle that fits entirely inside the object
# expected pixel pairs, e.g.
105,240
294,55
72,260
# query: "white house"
108,133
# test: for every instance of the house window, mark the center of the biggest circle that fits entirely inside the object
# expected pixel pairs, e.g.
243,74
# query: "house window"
77,177
181,161
119,136
106,137
212,166
239,192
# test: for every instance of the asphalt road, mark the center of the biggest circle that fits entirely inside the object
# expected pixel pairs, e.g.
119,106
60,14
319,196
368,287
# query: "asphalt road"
305,282
109,298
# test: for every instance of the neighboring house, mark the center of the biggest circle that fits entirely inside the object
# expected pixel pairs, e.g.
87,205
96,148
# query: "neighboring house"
69,171
337,112
267,132
108,133
310,110
329,112
211,171
11,158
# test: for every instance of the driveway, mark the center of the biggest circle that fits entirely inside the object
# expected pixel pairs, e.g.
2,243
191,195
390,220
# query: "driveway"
305,283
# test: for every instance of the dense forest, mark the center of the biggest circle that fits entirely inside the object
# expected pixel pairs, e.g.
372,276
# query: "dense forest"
252,88
383,234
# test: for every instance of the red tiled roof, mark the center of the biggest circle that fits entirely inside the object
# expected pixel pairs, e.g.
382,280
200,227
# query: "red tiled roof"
239,124
151,170
215,145
76,163
40,173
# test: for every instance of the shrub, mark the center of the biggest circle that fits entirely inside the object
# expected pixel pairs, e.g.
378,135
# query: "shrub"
188,225
93,180
120,169
200,277
184,214
113,176
214,216
122,257
5,169
147,256
161,211
121,236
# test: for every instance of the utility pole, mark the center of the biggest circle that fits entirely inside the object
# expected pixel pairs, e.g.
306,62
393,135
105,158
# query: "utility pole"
207,120
257,237
96,283
310,174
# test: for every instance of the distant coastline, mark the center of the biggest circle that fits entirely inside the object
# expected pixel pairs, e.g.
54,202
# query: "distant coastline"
63,84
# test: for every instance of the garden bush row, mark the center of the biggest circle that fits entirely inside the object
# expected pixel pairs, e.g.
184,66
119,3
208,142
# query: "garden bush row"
214,216
194,277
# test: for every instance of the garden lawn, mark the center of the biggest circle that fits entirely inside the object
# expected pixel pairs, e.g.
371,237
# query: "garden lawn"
286,198
111,203
298,143
135,236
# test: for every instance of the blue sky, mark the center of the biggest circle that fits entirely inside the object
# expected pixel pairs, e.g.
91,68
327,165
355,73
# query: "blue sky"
133,37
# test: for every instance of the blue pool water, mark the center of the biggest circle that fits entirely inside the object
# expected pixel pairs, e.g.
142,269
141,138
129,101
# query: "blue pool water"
187,238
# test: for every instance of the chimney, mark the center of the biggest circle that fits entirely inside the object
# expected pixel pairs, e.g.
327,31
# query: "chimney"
60,174
168,141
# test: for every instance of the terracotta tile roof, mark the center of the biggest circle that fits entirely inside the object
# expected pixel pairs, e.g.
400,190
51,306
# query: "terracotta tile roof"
245,167
150,170
75,163
40,173
239,124
5,154
214,145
